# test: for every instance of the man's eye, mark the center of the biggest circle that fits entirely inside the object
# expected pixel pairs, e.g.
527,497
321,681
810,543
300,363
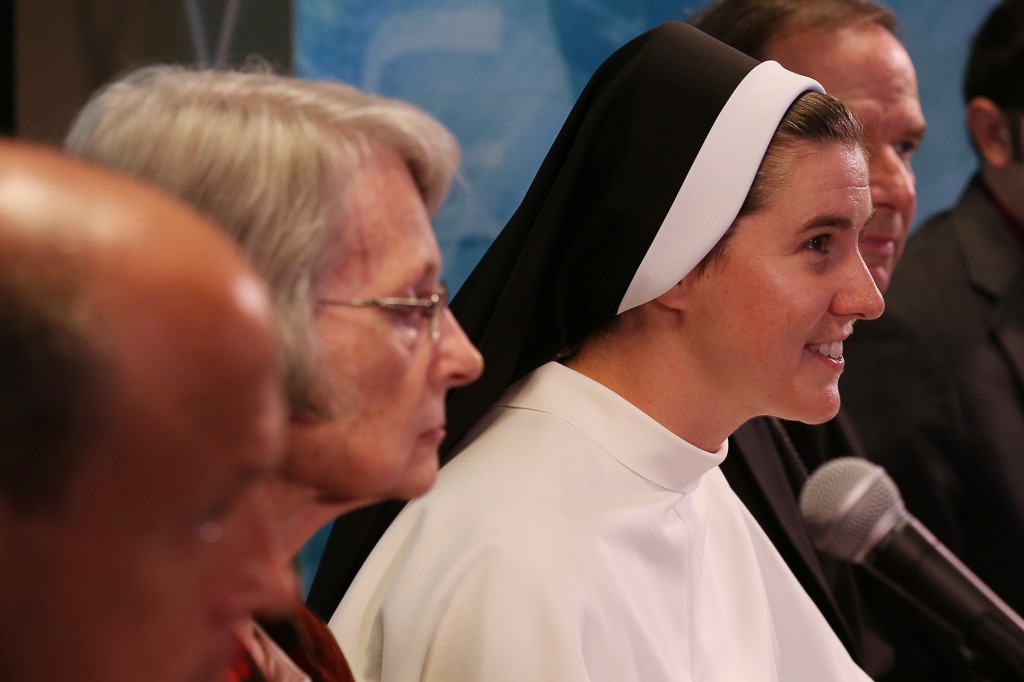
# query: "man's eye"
906,148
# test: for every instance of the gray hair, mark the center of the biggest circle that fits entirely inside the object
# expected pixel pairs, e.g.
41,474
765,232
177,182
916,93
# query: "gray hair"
266,157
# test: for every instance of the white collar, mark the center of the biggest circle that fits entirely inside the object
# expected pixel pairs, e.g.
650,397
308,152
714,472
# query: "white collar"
625,431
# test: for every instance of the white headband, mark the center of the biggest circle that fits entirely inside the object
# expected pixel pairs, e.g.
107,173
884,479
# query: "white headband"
719,179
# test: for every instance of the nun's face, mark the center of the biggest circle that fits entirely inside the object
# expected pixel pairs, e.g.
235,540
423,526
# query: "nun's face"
770,316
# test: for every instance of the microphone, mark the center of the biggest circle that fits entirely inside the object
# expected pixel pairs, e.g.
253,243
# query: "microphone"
854,512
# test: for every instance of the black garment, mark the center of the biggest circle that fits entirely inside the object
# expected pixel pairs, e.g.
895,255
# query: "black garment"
944,368
936,388
767,473
889,639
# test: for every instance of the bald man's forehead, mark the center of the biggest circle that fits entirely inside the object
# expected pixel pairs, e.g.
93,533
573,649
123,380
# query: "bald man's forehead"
126,229
43,190
176,297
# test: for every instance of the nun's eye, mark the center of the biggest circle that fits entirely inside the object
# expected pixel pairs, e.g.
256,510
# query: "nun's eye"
819,243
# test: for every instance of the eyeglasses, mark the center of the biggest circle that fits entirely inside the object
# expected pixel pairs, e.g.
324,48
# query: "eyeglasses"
432,307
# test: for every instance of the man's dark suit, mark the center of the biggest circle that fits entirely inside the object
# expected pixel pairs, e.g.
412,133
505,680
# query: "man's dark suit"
936,387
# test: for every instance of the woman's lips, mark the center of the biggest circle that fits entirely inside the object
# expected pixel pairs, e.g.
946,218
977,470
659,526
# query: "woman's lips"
435,434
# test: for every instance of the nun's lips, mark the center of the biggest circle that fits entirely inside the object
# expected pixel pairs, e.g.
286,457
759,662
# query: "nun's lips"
831,354
832,349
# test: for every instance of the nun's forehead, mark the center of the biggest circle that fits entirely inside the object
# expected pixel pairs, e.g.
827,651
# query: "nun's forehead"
718,179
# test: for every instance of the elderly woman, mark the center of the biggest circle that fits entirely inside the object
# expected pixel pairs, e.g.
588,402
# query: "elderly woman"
686,259
328,191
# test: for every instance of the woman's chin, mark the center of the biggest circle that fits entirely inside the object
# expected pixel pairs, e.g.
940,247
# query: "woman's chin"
419,478
817,413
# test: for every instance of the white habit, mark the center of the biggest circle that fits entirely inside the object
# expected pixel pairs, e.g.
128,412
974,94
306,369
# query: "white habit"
575,538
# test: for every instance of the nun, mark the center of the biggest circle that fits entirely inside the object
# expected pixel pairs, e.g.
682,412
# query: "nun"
685,259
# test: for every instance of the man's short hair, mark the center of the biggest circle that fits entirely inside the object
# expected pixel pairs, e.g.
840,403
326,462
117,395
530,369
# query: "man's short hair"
749,25
995,68
267,158
50,371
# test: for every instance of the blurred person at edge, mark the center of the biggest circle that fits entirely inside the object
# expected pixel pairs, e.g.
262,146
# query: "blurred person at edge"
140,406
328,190
851,47
936,392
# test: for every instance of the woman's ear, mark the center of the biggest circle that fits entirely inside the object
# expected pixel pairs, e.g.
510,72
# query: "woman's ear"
678,296
990,132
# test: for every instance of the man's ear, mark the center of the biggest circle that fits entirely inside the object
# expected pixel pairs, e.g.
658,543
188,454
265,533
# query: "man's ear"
990,132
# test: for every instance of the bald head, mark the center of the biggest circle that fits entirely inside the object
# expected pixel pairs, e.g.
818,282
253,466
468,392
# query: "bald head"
144,405
51,205
121,271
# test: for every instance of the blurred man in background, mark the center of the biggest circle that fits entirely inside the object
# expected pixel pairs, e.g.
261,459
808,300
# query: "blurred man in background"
936,387
851,48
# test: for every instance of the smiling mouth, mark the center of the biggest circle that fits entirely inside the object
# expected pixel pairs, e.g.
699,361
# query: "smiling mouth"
833,350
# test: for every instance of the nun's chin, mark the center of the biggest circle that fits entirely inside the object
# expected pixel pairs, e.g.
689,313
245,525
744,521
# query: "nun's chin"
817,408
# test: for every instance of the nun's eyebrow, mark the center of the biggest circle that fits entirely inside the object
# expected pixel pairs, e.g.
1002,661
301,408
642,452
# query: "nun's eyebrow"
835,222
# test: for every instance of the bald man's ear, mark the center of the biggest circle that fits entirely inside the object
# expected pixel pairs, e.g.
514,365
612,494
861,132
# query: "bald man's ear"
990,132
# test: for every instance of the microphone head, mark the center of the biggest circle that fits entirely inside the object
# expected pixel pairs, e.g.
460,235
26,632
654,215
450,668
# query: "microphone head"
848,505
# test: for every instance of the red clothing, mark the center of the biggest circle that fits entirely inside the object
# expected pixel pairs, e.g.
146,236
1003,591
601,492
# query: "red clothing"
306,641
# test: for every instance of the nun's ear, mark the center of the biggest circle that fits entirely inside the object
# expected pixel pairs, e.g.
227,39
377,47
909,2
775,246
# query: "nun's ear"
678,297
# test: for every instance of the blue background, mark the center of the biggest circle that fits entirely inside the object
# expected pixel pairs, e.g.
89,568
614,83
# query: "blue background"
503,74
